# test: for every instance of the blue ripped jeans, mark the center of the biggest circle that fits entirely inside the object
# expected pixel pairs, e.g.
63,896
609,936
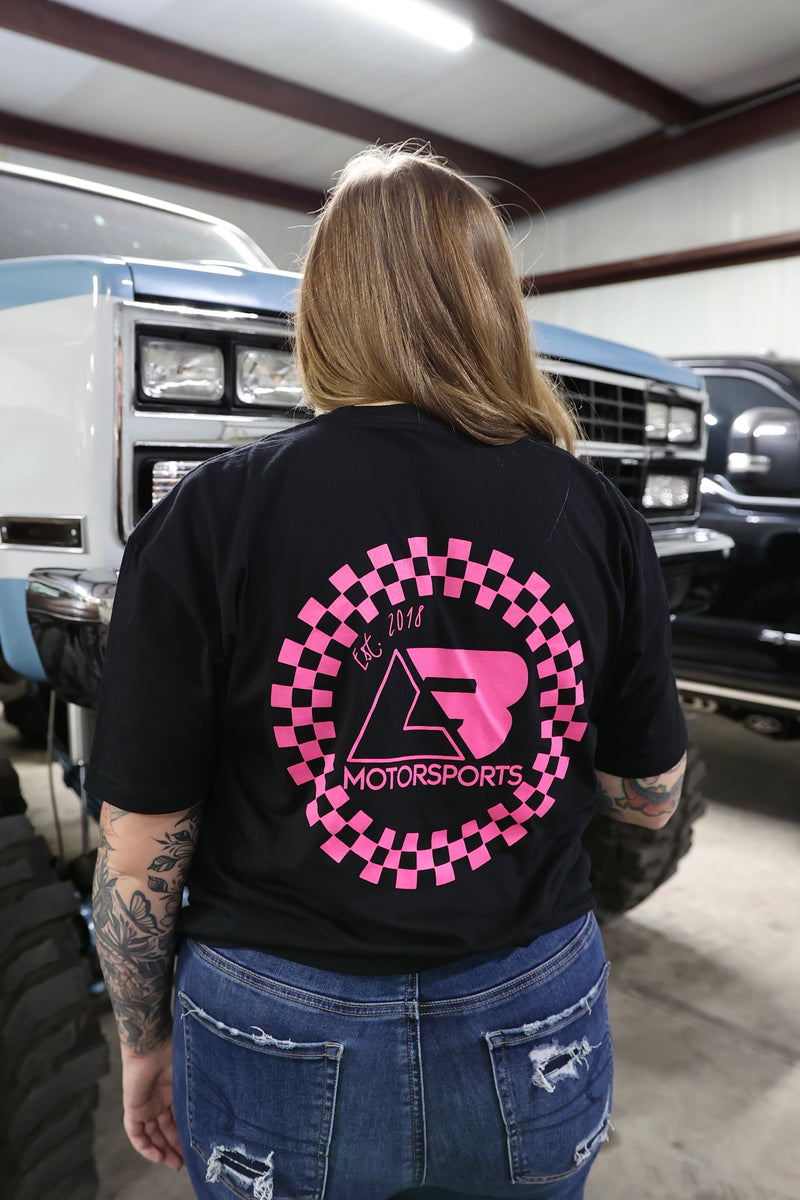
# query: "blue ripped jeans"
490,1077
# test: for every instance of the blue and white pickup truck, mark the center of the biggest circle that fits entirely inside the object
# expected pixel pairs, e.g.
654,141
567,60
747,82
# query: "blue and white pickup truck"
137,339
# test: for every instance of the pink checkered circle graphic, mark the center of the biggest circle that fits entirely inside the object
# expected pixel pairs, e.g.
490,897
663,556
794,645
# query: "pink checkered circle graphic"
306,728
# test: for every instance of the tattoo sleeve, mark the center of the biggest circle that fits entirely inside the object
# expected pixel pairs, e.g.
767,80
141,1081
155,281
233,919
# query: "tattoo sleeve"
650,800
142,863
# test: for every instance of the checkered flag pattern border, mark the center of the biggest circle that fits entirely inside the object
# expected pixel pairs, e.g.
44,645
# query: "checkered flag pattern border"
307,727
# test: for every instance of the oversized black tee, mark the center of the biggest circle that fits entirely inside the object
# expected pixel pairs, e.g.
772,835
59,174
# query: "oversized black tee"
387,659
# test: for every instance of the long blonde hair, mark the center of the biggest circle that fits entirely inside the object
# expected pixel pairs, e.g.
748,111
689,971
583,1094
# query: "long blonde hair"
410,294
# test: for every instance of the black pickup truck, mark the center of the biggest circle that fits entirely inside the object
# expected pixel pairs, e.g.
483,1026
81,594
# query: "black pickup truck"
743,654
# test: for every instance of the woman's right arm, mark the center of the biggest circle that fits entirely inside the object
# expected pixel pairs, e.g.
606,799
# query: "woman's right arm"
649,801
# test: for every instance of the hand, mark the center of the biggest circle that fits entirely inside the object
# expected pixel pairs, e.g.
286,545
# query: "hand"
149,1116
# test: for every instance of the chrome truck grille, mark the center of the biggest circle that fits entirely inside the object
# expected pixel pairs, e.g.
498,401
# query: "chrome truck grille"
612,414
608,412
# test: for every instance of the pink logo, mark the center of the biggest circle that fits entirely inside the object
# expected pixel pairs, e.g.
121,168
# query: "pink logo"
492,681
434,707
500,678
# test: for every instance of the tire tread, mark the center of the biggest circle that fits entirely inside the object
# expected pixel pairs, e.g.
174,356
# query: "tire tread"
51,1050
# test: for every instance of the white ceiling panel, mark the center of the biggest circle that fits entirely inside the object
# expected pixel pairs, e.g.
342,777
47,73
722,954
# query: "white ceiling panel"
502,101
116,102
485,95
57,73
127,11
711,50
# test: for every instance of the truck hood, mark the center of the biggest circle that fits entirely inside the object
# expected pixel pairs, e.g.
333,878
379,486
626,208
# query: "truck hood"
555,341
243,288
36,280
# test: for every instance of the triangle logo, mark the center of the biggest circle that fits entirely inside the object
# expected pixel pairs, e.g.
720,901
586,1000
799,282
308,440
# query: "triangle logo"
396,728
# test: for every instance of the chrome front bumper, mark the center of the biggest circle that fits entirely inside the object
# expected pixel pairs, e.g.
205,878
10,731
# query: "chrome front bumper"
69,612
679,543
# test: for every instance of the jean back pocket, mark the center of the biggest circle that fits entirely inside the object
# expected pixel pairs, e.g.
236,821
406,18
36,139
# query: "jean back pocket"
260,1110
553,1080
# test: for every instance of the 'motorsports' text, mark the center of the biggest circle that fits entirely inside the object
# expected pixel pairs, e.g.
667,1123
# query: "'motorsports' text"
434,774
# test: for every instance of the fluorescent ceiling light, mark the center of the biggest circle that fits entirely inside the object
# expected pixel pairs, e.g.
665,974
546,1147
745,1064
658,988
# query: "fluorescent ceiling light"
418,18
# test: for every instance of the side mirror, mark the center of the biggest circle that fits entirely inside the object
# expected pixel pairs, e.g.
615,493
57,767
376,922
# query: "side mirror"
764,451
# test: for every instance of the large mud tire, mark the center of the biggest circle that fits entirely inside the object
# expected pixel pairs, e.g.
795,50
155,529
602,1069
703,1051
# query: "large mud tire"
51,1050
628,862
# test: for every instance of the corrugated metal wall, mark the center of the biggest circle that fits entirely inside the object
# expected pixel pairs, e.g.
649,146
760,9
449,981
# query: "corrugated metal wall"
750,194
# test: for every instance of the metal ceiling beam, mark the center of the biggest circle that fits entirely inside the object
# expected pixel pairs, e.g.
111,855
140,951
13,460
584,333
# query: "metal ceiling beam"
157,164
654,266
756,119
127,46
518,31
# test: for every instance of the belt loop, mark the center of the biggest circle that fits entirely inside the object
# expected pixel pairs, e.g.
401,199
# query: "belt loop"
419,1146
412,996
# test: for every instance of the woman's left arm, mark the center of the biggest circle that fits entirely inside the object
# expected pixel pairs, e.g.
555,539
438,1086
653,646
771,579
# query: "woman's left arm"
142,863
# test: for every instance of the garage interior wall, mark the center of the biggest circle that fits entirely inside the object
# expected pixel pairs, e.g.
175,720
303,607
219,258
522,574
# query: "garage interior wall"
747,309
281,232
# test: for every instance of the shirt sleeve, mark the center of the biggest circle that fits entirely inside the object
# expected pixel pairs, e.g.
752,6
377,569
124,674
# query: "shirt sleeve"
641,730
155,744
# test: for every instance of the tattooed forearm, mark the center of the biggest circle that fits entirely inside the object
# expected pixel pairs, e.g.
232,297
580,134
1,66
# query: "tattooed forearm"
142,864
648,801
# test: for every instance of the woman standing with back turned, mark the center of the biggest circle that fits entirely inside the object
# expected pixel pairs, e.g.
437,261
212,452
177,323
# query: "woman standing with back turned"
367,681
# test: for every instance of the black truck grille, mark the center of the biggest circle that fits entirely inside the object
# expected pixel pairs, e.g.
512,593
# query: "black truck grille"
627,474
608,412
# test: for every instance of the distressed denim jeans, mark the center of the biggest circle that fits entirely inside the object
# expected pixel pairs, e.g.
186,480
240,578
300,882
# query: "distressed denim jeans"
490,1077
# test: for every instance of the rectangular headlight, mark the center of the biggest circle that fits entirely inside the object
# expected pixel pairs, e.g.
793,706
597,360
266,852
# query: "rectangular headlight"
667,491
266,377
166,474
684,424
657,420
183,371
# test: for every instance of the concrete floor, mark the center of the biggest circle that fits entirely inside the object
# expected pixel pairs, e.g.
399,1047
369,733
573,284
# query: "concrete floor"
704,998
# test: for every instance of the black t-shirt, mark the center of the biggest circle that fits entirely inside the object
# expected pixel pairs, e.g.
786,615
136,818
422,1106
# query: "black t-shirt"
387,658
